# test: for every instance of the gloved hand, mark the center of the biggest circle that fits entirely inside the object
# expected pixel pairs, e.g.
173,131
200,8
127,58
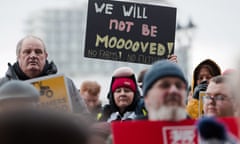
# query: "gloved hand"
201,87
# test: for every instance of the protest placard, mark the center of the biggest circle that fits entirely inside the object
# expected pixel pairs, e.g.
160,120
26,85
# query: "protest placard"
53,92
165,132
128,31
155,132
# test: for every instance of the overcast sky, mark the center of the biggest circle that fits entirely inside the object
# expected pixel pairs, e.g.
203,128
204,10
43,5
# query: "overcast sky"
217,33
216,36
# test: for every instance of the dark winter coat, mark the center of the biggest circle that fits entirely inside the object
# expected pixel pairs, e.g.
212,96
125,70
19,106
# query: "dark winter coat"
15,73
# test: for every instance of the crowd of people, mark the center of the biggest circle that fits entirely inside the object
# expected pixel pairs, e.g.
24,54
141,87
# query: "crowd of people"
161,92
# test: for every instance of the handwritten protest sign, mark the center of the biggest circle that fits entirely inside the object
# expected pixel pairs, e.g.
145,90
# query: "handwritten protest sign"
131,32
53,92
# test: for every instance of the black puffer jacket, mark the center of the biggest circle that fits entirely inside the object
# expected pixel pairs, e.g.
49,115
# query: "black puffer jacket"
15,73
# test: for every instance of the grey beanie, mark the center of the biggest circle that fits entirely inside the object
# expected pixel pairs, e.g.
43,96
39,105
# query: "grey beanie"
18,89
160,69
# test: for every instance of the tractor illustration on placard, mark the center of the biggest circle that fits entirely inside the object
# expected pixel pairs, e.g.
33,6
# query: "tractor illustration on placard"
44,90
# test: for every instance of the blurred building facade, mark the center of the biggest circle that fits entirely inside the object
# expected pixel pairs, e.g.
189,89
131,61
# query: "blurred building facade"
63,30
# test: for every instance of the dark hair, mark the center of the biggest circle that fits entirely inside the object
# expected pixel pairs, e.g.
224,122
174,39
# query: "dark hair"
212,66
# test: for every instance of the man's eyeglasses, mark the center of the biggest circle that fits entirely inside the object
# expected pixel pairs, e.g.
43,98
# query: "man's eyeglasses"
215,98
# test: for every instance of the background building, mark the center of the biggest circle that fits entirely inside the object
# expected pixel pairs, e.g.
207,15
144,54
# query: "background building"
63,30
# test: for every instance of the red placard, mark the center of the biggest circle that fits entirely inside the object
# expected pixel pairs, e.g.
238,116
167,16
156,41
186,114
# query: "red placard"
163,132
154,132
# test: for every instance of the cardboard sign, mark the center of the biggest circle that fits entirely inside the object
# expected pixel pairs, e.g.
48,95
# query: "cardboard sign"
131,32
53,92
164,132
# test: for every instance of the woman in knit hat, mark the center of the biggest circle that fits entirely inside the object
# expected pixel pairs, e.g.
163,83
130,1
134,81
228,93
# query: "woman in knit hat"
123,97
201,76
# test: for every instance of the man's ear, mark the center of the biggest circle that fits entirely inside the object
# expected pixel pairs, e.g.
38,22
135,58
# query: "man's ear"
146,102
17,57
46,54
236,108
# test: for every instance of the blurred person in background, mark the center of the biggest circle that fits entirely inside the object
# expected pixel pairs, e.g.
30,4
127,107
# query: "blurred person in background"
15,95
230,71
141,76
204,71
32,63
235,81
90,91
219,98
123,96
164,90
99,133
42,127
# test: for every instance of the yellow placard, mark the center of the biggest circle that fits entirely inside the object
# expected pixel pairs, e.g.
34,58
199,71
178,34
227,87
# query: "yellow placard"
53,93
201,95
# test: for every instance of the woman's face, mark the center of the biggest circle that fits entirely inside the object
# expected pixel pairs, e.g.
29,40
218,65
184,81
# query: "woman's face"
204,75
123,97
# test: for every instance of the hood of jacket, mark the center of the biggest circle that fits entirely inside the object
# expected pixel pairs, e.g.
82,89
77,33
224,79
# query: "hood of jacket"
215,70
133,105
15,72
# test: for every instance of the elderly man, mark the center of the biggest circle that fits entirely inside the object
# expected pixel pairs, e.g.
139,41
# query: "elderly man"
165,90
219,98
32,63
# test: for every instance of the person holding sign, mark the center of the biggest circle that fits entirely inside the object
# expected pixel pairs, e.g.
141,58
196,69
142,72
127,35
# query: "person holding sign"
201,76
164,91
32,63
124,97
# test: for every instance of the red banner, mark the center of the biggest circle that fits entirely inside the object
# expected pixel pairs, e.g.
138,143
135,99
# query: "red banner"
162,132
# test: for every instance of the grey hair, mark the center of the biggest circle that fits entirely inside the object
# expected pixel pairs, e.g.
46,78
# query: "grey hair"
19,44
